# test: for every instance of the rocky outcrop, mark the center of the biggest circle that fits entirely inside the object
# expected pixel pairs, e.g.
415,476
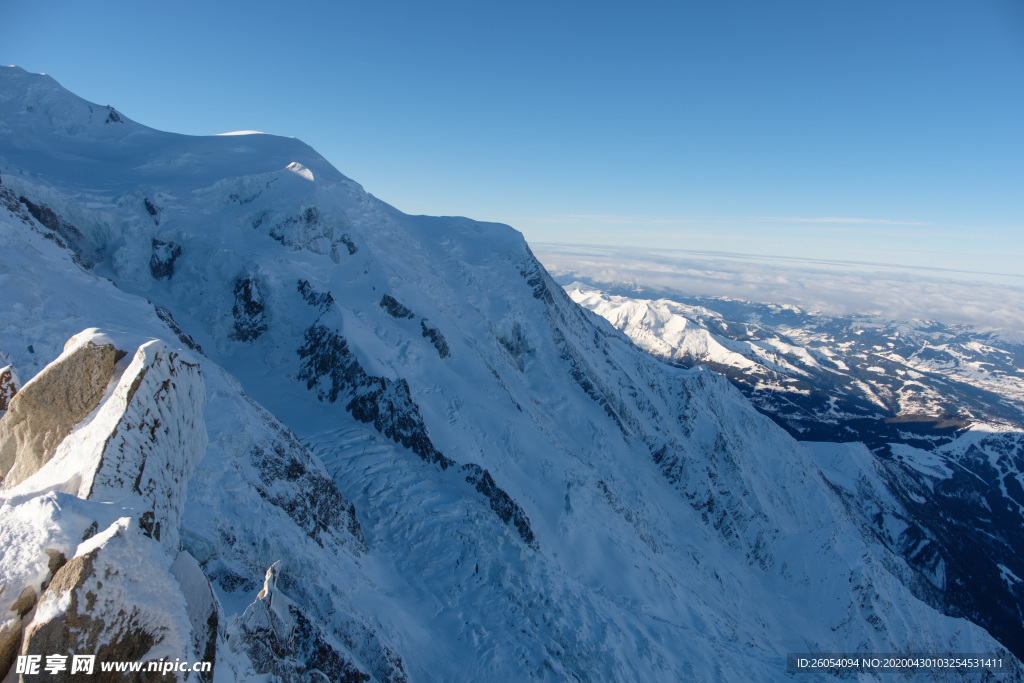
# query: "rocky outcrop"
119,602
395,308
249,310
515,341
78,628
113,116
284,506
10,201
311,231
83,250
8,386
289,481
281,641
185,338
501,503
10,642
48,407
328,366
432,333
153,210
127,593
161,263
322,301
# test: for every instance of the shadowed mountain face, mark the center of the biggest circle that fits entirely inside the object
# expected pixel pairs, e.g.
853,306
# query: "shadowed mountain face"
932,417
422,460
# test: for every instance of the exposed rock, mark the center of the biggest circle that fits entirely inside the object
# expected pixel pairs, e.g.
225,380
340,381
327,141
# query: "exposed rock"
49,406
113,116
322,301
310,498
57,560
10,644
280,640
121,598
349,244
15,616
10,201
537,278
185,338
516,343
330,367
236,198
436,338
114,601
161,263
25,602
8,386
249,309
310,231
63,232
11,630
153,210
395,308
333,370
502,504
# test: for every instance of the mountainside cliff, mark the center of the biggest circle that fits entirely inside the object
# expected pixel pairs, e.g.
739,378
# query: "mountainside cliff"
939,479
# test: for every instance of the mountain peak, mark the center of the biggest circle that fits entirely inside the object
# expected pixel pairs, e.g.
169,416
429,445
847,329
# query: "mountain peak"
43,125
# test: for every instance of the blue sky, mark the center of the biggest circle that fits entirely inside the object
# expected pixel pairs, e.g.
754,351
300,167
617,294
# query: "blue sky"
881,131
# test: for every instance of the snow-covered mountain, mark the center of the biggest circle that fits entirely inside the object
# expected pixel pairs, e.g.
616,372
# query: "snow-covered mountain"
870,379
373,446
938,408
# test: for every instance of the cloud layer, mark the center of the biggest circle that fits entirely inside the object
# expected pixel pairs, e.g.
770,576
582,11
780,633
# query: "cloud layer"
840,287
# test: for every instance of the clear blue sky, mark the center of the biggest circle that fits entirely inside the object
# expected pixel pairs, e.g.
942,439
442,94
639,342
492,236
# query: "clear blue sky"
886,130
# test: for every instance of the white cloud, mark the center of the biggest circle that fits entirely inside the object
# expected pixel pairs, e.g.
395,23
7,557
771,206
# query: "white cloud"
836,219
620,219
949,296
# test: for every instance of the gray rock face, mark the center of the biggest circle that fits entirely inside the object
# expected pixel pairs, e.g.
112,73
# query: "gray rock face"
249,310
395,308
48,407
432,333
128,593
280,640
8,386
83,249
10,641
161,263
98,619
76,630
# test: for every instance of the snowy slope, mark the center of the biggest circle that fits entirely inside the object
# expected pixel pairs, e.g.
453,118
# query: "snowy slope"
906,389
531,495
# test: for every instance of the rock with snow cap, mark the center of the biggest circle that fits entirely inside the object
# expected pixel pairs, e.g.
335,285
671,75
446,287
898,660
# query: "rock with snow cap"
49,406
